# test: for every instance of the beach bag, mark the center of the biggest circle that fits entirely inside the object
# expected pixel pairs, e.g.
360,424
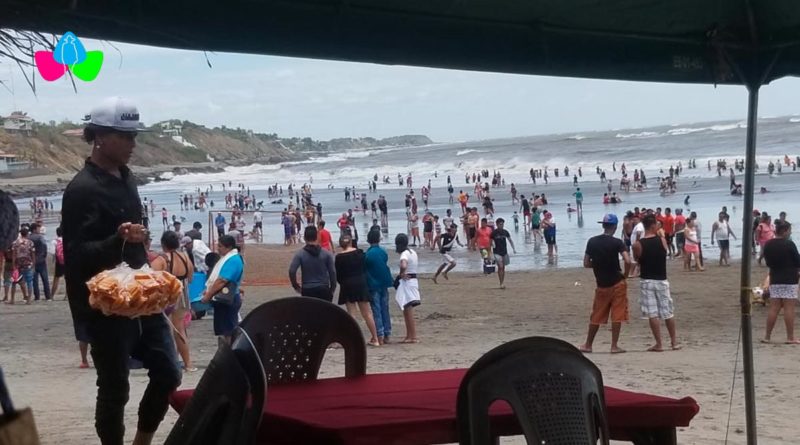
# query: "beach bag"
225,295
16,427
489,267
60,251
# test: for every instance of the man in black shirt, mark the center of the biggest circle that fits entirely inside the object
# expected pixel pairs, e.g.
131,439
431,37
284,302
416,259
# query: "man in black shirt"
655,300
195,233
500,249
445,242
525,207
783,261
40,266
101,222
611,296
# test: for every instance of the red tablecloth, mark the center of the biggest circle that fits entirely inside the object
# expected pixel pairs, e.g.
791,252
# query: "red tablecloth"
415,408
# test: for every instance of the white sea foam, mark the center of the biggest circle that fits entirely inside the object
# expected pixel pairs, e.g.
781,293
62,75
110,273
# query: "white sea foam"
642,135
468,151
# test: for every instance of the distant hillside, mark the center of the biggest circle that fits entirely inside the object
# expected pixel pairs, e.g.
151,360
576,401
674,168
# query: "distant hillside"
58,148
50,148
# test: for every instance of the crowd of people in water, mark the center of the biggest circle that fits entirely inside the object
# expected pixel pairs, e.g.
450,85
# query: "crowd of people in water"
467,221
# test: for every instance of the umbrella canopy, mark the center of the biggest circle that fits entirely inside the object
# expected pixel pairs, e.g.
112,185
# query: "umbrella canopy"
690,41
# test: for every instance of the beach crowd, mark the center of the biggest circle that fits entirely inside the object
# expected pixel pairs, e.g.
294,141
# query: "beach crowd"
103,221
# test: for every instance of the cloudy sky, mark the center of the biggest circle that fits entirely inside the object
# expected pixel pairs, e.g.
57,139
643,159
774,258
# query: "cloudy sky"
324,99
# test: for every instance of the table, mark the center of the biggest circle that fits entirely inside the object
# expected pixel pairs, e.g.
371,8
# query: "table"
419,408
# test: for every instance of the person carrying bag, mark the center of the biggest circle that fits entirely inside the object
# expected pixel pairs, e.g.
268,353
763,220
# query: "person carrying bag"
16,427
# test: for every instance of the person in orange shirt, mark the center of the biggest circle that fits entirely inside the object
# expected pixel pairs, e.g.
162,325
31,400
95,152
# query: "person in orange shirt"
483,239
324,237
462,199
668,222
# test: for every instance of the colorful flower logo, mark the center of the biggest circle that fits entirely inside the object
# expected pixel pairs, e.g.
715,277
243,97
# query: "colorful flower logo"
69,55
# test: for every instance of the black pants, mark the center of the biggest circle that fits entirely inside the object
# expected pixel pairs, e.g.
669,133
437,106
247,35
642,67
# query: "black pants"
323,293
114,341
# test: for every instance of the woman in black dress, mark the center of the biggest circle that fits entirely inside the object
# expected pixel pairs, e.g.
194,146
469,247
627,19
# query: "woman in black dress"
353,291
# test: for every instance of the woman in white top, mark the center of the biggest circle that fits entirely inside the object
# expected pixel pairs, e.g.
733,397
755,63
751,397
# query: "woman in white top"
721,230
407,286
692,246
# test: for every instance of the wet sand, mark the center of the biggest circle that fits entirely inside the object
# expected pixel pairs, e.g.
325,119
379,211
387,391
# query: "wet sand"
459,320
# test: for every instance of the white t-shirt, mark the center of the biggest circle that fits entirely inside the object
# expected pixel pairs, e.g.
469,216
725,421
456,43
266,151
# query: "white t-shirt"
411,258
722,231
637,233
257,217
199,252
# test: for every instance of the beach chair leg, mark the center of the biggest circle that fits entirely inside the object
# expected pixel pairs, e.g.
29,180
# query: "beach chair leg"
656,436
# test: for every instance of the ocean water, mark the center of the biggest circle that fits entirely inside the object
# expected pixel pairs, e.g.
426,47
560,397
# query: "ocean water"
651,149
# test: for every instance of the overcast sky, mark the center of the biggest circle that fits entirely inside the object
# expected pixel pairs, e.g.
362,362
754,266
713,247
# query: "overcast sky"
324,99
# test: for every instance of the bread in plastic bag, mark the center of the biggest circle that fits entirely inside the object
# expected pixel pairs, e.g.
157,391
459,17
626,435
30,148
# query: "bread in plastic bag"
133,292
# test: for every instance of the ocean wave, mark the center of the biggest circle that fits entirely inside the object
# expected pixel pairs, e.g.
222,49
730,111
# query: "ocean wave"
577,137
468,151
794,120
680,131
642,135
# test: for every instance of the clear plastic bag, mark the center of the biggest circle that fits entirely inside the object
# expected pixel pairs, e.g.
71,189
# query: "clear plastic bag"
133,292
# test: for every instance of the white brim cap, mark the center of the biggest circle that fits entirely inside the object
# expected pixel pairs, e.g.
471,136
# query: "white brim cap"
116,113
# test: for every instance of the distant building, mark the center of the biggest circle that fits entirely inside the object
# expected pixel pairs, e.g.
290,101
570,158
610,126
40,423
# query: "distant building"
10,163
18,122
170,129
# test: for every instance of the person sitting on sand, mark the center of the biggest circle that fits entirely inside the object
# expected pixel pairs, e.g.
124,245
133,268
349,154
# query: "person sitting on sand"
611,295
783,261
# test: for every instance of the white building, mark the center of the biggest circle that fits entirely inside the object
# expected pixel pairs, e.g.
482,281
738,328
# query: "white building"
170,129
18,122
10,163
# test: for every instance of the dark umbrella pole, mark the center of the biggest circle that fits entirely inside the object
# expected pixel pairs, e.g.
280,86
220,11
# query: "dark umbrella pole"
747,266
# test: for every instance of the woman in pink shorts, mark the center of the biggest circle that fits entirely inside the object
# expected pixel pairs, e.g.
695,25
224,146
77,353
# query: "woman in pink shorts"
691,247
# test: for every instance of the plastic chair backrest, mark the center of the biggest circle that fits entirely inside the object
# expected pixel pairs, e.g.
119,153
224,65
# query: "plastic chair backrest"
227,404
246,352
556,394
292,334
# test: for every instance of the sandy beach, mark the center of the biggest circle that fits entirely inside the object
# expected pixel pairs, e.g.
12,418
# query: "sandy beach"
459,320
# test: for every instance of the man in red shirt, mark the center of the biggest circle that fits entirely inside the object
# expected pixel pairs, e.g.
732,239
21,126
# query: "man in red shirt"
324,237
668,222
680,224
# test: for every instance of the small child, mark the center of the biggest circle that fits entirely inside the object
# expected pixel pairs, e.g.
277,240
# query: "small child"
437,227
515,217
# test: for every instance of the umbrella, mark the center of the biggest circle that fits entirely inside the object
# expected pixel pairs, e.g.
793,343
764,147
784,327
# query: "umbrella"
742,42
